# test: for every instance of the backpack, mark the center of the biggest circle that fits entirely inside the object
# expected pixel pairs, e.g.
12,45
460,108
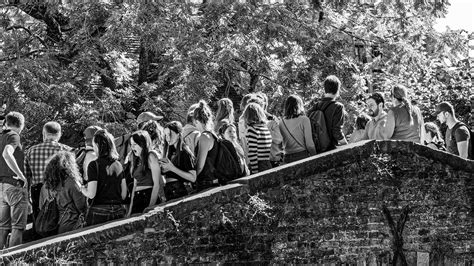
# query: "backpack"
321,138
227,165
470,152
46,223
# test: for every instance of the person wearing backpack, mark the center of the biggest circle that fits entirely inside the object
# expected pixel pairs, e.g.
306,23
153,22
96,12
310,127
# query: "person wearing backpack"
206,150
217,161
178,164
458,136
258,137
61,179
106,187
37,157
327,117
295,128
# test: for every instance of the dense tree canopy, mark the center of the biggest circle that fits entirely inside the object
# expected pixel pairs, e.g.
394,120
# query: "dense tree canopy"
104,62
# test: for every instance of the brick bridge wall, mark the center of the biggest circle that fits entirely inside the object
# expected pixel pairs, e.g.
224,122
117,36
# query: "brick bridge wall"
367,204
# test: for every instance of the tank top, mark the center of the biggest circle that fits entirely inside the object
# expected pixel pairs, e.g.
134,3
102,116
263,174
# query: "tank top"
144,178
207,174
403,129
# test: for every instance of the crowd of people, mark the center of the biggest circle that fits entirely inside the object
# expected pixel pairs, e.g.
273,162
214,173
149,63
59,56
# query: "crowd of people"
112,178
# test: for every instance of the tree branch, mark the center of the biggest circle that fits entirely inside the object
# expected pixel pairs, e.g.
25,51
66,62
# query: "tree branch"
29,32
21,56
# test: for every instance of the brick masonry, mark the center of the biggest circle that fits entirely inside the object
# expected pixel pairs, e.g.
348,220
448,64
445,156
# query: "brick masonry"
372,203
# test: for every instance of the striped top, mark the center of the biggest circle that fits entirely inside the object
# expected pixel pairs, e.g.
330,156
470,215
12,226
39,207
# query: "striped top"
259,141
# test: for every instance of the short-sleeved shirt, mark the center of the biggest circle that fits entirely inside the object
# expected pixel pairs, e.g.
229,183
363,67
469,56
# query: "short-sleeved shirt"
37,156
109,183
10,137
185,161
461,134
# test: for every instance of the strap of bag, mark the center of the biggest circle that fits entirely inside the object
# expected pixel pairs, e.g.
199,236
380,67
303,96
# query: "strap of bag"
299,143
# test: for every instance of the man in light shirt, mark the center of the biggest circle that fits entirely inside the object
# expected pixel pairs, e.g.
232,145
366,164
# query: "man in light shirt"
375,127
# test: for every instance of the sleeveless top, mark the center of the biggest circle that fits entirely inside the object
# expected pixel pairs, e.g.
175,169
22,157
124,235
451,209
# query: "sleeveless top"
403,129
143,178
207,174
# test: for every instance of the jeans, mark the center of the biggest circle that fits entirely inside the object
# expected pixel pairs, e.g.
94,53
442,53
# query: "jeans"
13,207
141,200
289,158
175,189
98,214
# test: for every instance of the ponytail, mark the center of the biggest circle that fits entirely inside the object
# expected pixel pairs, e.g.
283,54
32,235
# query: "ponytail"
409,108
203,114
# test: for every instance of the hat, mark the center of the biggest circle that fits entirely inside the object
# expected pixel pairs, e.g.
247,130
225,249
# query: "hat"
146,116
90,131
444,107
377,97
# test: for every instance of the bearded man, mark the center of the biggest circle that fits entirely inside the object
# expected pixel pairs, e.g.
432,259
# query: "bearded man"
375,127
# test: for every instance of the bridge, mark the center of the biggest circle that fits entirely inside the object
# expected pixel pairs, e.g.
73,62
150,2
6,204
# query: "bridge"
370,203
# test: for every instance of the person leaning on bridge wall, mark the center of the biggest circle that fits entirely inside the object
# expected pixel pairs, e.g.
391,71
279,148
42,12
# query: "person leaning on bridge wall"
457,135
376,126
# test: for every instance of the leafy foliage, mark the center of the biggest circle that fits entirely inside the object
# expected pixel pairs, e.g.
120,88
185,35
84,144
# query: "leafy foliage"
104,62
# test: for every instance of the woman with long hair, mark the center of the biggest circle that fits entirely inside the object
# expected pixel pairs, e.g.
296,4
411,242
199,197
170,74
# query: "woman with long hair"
433,138
228,131
295,128
61,179
148,184
225,110
106,187
404,120
206,150
258,137
178,164
156,134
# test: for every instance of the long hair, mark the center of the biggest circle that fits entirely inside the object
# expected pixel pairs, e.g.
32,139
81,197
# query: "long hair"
141,138
176,127
156,133
254,114
293,107
59,168
225,110
105,145
400,93
203,114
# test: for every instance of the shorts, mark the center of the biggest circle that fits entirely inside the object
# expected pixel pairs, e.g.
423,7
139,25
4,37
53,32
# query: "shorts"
13,207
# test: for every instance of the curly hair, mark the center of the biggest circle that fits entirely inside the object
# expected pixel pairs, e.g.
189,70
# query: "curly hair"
60,167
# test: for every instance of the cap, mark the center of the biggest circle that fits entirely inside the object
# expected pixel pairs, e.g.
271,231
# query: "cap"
146,116
444,107
377,97
90,131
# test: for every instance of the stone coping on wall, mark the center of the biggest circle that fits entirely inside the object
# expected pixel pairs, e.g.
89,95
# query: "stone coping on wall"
251,184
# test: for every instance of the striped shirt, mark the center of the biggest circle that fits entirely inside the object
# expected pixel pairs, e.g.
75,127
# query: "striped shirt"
259,141
37,157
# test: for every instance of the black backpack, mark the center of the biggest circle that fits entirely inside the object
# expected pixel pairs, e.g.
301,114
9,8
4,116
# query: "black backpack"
80,156
470,153
227,164
122,144
46,223
321,138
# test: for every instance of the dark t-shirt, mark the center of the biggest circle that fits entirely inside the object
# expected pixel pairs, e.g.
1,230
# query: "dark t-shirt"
185,161
461,134
109,183
10,137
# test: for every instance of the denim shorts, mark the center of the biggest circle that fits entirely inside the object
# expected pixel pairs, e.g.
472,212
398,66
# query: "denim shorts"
13,207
